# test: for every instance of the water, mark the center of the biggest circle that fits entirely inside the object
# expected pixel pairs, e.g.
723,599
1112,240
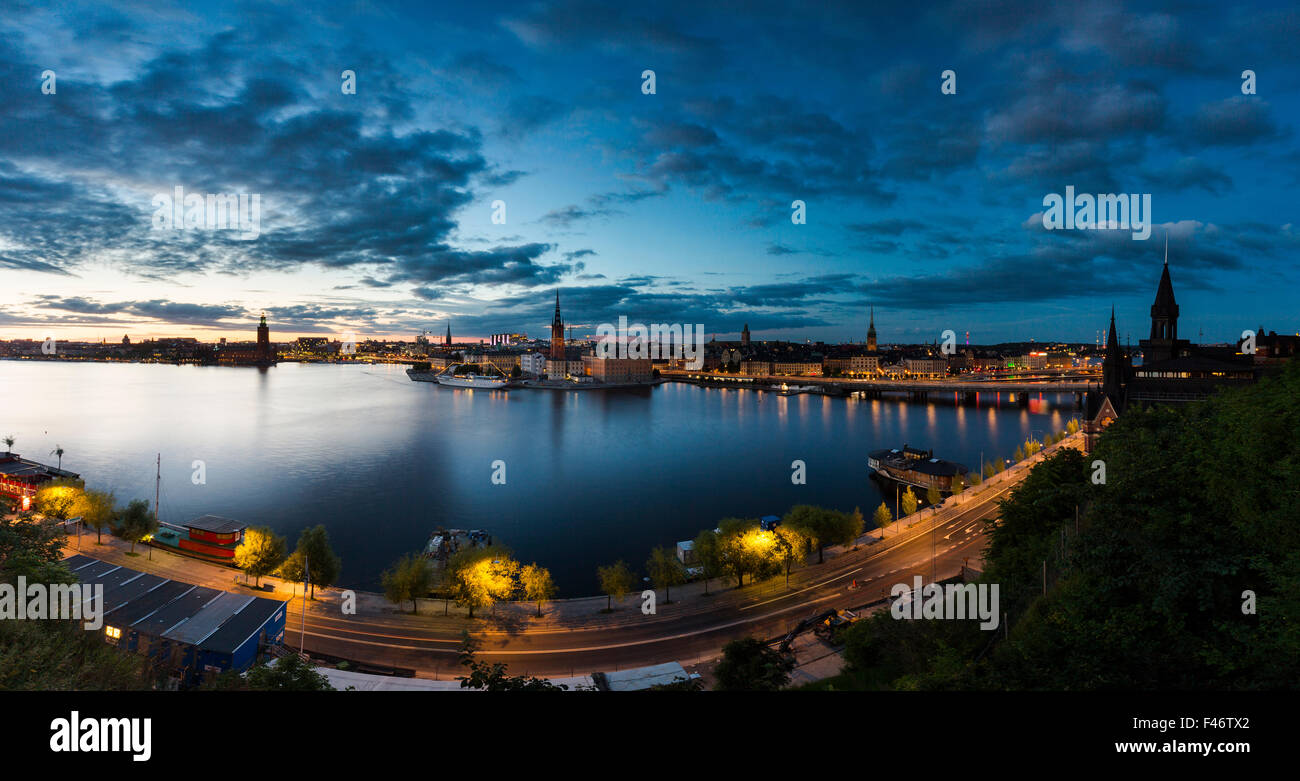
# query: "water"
381,461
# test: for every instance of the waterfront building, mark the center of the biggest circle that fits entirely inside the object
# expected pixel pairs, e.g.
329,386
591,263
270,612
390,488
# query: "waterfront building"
532,363
259,353
209,537
925,366
617,369
189,632
21,478
797,368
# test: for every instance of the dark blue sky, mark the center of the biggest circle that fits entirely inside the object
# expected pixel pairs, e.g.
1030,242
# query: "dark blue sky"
671,207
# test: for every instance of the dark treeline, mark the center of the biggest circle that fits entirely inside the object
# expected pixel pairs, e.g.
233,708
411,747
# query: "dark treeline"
1181,571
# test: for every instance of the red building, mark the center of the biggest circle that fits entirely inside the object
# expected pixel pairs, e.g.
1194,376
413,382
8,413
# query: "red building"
209,537
21,478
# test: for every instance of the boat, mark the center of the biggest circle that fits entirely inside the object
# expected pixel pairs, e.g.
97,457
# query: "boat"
471,379
915,467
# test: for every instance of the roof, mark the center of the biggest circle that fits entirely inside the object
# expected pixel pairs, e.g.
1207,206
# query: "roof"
645,677
213,620
215,524
1192,363
15,465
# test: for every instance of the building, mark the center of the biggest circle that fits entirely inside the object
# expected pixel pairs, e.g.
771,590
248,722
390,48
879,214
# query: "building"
189,631
506,340
925,366
797,368
259,353
21,478
1173,370
756,368
744,336
557,332
532,363
209,537
618,370
871,332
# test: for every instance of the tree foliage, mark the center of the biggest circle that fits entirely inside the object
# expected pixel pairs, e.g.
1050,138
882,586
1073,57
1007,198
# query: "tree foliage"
750,665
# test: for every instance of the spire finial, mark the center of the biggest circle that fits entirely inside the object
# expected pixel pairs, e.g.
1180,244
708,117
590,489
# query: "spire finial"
1166,248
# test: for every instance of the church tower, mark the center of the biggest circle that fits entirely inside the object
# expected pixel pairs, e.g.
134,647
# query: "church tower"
557,332
744,336
1114,369
447,339
871,331
1164,342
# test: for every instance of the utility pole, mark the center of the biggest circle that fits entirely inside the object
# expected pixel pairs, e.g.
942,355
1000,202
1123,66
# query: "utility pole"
157,490
302,634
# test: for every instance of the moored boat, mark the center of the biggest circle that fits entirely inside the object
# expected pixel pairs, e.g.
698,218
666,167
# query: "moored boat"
915,467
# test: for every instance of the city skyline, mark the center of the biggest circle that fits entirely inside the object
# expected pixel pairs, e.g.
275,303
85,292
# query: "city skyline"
377,207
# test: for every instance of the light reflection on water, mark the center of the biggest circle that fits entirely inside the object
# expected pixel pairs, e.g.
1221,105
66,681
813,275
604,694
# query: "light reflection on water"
381,461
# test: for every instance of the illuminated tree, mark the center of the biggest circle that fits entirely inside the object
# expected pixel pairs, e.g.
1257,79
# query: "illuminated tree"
958,483
616,581
1073,426
933,497
883,517
792,548
98,510
665,571
482,577
909,501
323,564
1019,455
747,550
538,585
57,499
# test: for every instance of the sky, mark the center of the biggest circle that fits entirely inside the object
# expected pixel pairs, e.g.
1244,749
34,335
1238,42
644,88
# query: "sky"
377,208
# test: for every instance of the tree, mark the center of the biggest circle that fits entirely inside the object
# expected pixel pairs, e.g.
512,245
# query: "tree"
482,577
708,555
1019,455
958,483
909,501
990,469
322,563
750,665
98,510
494,677
538,585
134,522
292,569
1073,426
287,674
9,443
57,499
824,526
58,451
933,497
665,571
616,581
747,550
975,478
792,548
410,578
883,517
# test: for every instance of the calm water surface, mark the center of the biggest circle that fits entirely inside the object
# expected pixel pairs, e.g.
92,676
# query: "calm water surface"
381,461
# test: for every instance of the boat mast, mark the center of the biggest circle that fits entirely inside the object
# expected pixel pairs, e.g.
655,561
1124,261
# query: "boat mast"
157,487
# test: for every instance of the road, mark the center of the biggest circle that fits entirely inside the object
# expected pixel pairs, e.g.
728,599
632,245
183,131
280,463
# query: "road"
685,631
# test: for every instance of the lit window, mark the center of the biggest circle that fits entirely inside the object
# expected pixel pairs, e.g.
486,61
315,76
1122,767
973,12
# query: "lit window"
113,632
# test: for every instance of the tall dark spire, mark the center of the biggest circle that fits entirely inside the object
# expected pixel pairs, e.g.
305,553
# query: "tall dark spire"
448,340
1164,312
871,330
1113,368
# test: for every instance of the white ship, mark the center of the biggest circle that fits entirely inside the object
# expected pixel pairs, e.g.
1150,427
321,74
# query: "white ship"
471,379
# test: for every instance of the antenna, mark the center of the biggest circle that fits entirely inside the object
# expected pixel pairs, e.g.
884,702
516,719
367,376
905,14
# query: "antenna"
1166,247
